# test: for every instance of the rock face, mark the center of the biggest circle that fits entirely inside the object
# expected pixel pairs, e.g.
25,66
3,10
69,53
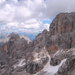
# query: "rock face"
38,60
41,39
52,49
15,52
68,67
62,31
5,38
63,22
33,68
26,38
11,52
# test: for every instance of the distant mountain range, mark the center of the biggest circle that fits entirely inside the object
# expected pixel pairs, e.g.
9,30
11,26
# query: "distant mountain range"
2,35
29,35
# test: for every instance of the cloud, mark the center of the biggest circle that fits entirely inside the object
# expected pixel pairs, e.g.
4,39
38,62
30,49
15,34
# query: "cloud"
6,14
56,6
25,15
22,13
31,23
21,10
29,26
2,1
46,26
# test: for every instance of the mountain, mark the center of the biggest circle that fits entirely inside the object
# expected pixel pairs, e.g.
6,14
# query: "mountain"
26,38
62,32
2,35
29,35
50,53
6,38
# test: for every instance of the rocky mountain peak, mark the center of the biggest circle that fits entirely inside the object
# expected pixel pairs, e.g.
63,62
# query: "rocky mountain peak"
62,23
26,38
14,36
62,31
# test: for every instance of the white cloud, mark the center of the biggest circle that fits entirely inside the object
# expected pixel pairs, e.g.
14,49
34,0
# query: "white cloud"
22,13
6,14
29,14
1,1
29,26
56,6
30,21
46,26
15,1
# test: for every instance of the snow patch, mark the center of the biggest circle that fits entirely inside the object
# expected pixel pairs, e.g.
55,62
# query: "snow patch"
52,69
72,49
68,50
49,69
49,73
56,53
39,55
20,64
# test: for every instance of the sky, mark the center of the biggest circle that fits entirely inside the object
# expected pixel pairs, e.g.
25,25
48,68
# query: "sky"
31,16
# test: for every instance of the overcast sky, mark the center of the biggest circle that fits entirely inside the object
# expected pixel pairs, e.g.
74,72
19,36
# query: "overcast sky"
31,16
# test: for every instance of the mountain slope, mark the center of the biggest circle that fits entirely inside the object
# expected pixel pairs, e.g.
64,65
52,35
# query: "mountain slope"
51,53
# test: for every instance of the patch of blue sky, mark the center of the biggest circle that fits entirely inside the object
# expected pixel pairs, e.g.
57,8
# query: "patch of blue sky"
2,26
19,0
47,21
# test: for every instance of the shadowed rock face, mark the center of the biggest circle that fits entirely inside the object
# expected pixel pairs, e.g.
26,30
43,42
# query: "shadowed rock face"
33,68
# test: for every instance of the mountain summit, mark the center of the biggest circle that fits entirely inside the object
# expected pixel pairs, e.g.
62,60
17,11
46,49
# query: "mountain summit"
63,23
